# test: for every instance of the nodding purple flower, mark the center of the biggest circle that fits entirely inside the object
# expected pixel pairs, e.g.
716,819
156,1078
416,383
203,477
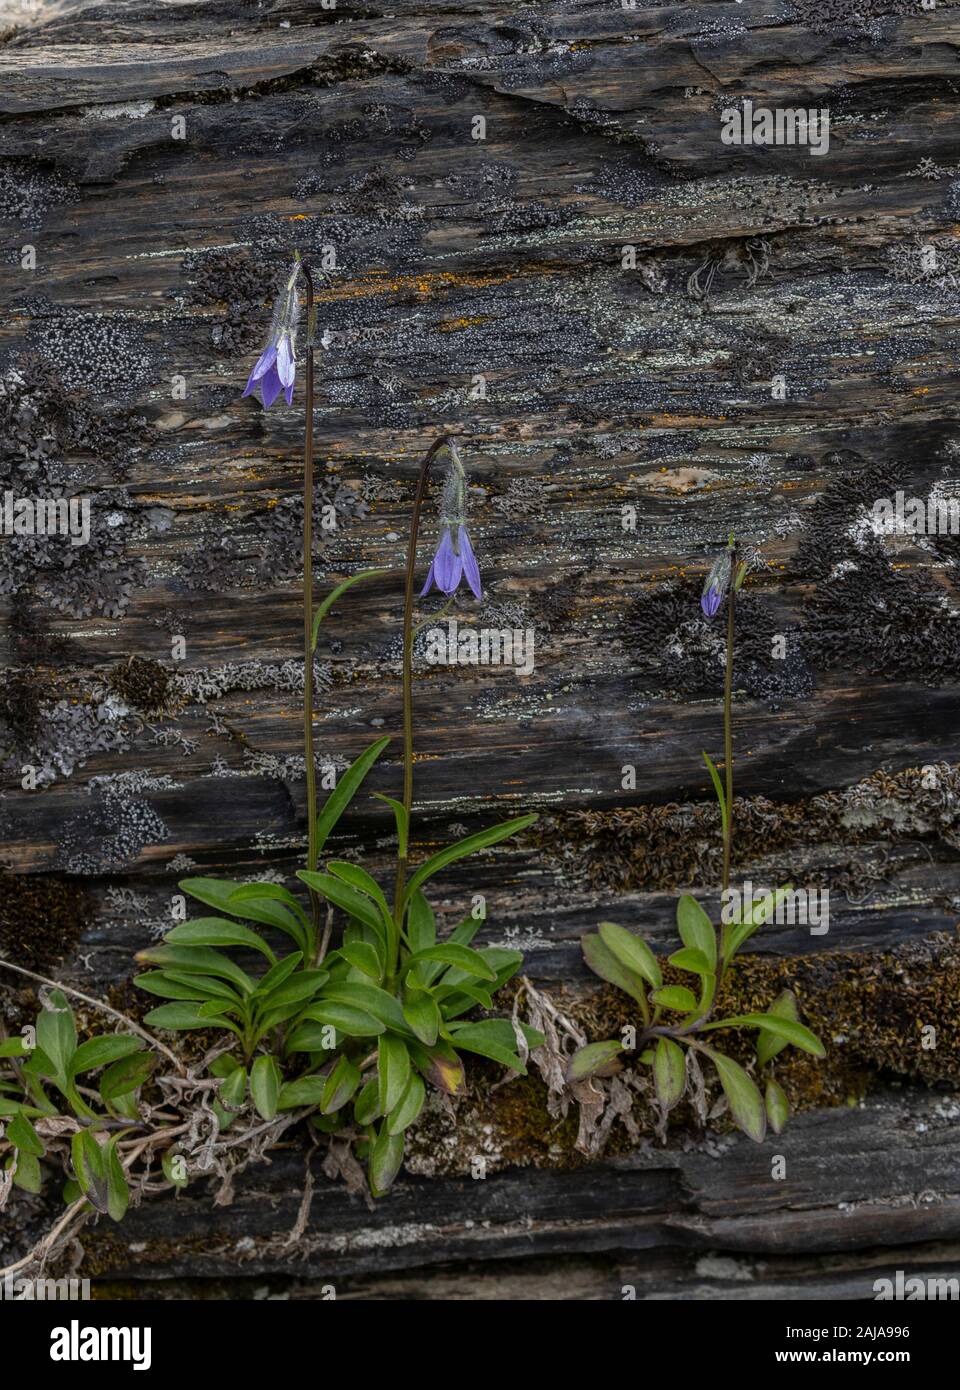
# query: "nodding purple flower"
718,582
454,558
276,366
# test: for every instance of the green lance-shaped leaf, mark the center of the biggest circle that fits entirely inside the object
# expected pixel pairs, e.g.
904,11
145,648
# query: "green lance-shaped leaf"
265,1083
695,928
386,1156
483,839
746,1103
301,986
230,898
369,997
97,1052
669,1072
402,819
465,958
305,1090
90,1168
277,974
217,931
596,1059
366,1107
27,1174
118,1193
358,878
232,1092
310,1036
57,1034
348,784
183,987
363,957
604,963
127,1075
174,1167
631,951
785,1028
408,1107
215,1008
421,1012
340,1085
736,934
346,1018
777,1106
694,962
718,788
455,1000
675,997
324,607
393,1071
770,1044
198,960
347,898
183,1017
422,925
494,1038
24,1137
238,898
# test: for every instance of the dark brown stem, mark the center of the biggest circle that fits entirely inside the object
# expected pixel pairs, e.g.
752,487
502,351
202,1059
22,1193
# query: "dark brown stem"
311,771
728,722
428,459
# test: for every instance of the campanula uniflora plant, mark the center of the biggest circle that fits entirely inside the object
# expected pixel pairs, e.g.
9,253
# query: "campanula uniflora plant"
679,1021
347,1037
351,1035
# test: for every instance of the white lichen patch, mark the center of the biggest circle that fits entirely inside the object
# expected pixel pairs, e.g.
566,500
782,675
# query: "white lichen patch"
131,110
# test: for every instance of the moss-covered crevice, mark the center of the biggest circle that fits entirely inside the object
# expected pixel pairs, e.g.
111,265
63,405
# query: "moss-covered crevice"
873,1011
41,919
658,848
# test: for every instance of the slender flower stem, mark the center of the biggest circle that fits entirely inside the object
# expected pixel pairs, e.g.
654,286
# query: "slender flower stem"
435,448
728,723
310,768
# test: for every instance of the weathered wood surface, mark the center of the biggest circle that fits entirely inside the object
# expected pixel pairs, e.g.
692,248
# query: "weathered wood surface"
863,1189
309,128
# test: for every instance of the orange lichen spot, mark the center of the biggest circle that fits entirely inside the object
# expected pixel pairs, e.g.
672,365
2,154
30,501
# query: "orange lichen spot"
686,421
427,285
457,325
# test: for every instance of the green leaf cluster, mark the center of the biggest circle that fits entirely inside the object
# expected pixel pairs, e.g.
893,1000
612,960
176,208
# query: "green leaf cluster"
357,1039
678,1019
95,1084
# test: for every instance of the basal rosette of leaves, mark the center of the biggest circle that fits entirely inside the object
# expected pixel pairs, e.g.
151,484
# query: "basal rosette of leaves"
357,1038
76,1101
678,1019
350,1046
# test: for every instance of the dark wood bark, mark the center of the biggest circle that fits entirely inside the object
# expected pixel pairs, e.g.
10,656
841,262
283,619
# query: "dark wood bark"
122,358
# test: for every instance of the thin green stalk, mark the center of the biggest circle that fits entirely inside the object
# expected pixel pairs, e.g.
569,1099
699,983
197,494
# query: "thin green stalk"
435,448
